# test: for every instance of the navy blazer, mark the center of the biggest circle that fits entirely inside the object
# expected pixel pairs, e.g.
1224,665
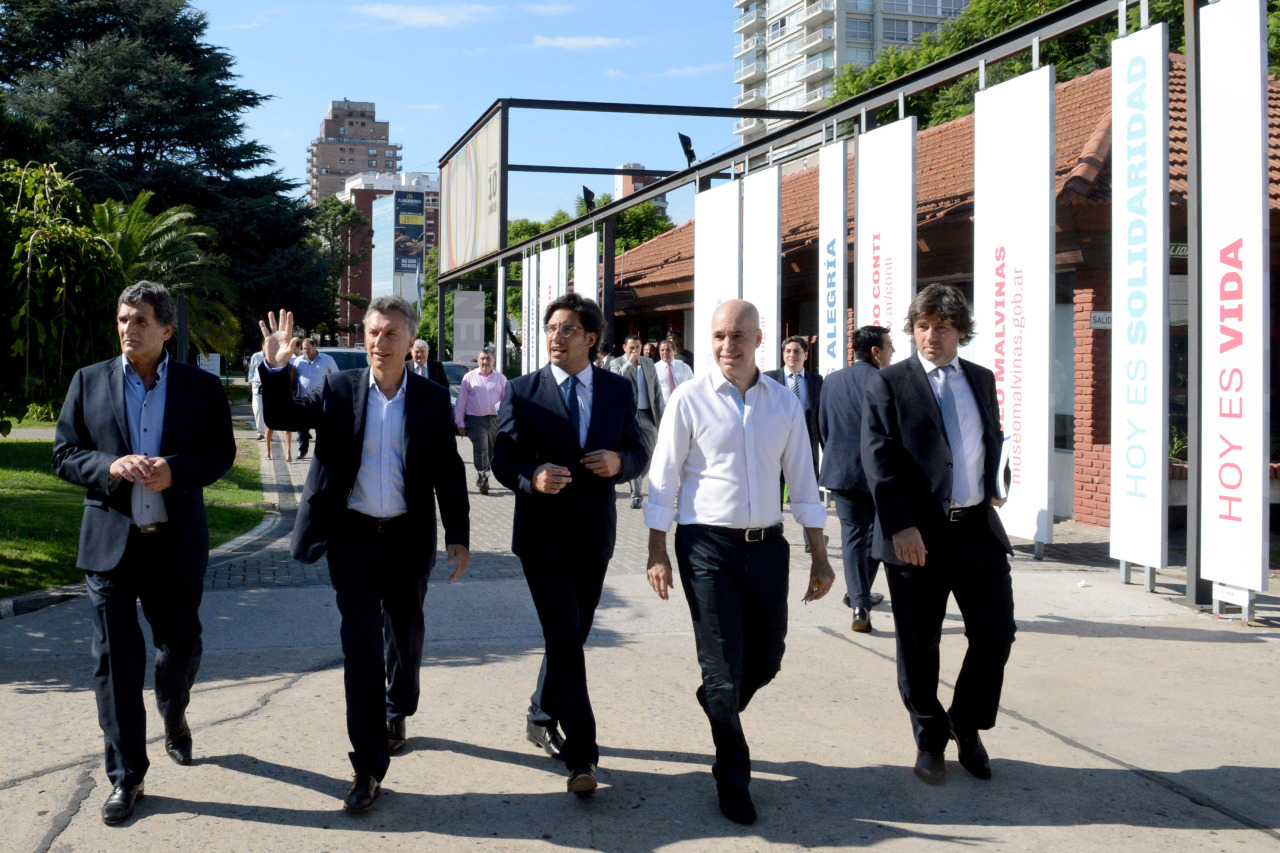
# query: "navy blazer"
813,383
196,441
533,429
906,456
840,427
433,470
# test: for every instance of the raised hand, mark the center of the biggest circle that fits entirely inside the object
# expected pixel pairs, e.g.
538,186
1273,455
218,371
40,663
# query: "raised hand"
277,343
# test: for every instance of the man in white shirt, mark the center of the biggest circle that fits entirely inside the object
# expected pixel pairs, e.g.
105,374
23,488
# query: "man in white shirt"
671,373
715,472
311,368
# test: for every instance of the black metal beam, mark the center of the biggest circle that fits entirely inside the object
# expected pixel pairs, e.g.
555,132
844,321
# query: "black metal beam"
590,170
649,109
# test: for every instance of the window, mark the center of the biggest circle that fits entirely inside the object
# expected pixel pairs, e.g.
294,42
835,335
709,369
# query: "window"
391,153
862,30
1064,361
899,6
861,56
362,124
919,28
951,8
896,31
373,164
389,163
373,152
924,7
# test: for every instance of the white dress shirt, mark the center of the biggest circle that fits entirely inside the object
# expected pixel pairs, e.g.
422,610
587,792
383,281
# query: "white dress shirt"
719,455
677,370
975,453
379,488
584,398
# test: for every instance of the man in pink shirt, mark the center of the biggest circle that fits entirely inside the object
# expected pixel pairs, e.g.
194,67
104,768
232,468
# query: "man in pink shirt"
476,413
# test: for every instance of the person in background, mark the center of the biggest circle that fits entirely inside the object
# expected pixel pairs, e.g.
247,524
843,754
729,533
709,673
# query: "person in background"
425,367
639,371
671,372
310,369
476,413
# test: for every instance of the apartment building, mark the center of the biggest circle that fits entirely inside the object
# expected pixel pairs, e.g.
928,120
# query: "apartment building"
351,141
788,52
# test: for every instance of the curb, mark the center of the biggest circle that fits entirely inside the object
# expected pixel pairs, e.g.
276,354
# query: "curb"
28,602
269,522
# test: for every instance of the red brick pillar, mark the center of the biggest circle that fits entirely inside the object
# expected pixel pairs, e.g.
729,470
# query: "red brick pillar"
1092,497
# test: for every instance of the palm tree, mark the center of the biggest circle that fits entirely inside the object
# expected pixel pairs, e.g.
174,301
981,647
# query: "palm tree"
167,248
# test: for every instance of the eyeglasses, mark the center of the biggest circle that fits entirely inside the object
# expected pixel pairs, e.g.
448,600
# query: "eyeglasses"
565,330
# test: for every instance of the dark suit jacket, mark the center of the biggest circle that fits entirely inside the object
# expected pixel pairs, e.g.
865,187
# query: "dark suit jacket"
906,456
533,429
93,432
435,371
813,384
840,427
649,375
336,409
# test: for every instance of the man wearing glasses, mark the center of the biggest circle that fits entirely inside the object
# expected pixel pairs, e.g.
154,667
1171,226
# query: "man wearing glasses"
567,434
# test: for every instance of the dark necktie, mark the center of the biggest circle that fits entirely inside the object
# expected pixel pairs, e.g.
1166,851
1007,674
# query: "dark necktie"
955,438
795,387
575,418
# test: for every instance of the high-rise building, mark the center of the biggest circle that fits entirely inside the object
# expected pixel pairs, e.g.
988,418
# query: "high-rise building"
789,51
351,141
625,185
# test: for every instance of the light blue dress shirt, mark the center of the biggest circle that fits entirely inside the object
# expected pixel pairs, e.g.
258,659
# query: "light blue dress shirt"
584,398
144,413
379,488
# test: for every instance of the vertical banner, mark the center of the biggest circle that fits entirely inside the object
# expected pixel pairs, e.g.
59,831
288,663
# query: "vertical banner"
885,240
833,257
410,230
468,324
1235,283
1140,297
562,268
1013,284
717,262
762,258
586,266
500,321
548,283
533,317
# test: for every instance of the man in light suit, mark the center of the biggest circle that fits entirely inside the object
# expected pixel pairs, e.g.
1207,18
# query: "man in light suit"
638,370
144,435
385,456
840,428
931,441
566,435
805,384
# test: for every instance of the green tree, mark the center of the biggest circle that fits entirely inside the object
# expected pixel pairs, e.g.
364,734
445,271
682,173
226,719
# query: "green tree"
344,240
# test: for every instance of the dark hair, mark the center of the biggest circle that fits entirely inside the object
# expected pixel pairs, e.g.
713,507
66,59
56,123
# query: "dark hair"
388,305
796,339
589,313
948,303
631,337
674,334
155,295
866,337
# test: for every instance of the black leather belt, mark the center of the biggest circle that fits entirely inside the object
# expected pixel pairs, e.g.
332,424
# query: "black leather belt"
959,513
149,528
746,534
368,524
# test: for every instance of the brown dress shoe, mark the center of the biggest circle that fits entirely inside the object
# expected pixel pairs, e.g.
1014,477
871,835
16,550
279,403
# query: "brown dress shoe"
395,736
582,780
930,767
973,755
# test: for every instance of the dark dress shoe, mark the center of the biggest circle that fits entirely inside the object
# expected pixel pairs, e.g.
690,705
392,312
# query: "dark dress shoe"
877,599
119,806
861,620
177,743
364,790
582,780
930,767
544,737
395,735
973,755
735,804
484,487
637,502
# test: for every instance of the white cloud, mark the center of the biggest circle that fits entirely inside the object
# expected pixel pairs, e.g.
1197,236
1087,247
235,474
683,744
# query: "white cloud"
405,15
424,106
614,73
548,8
690,70
576,42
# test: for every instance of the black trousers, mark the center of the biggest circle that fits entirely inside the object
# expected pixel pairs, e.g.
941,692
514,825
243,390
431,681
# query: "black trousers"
565,594
737,594
171,604
857,514
970,564
381,586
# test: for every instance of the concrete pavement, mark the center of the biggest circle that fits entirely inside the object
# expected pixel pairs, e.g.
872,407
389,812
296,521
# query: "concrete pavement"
1128,721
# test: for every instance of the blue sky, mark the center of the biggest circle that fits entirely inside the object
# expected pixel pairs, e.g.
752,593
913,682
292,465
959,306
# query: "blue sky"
433,67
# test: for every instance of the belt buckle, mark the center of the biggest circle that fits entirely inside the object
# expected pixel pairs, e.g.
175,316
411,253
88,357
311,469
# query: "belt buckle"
759,531
383,525
956,513
148,528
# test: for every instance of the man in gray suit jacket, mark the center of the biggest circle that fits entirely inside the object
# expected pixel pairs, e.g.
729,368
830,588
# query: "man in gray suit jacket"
639,371
144,435
840,427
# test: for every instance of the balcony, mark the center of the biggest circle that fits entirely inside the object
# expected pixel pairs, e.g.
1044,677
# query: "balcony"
781,33
750,73
817,12
738,4
817,99
747,125
820,40
748,44
750,22
750,99
817,68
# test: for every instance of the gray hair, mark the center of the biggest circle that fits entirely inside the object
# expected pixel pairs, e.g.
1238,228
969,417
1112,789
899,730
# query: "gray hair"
155,295
420,344
388,305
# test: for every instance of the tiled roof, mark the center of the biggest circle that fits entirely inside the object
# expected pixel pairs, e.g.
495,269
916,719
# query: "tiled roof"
944,164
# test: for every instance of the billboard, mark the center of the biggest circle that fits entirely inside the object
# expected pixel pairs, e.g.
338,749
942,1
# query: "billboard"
762,258
833,256
410,231
471,205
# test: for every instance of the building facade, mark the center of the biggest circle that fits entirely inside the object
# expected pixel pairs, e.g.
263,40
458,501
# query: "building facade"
788,51
351,142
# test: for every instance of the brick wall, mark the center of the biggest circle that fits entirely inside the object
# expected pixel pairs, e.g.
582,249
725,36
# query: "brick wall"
1092,495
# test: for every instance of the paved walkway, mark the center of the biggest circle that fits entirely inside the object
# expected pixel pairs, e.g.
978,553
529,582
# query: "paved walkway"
1128,722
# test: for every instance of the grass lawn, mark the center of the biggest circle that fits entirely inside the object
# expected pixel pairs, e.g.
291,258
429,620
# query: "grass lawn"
40,514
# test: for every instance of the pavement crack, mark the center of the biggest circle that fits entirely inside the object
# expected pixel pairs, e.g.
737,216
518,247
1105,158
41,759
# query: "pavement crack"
84,787
1155,778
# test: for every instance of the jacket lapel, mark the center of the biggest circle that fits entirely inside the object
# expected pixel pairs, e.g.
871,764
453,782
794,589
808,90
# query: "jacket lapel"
359,401
990,420
116,385
594,426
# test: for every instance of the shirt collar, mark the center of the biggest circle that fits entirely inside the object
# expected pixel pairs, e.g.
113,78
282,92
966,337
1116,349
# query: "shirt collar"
929,366
799,372
721,382
373,384
162,369
584,375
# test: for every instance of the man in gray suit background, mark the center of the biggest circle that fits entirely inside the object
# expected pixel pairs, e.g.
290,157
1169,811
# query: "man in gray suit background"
639,371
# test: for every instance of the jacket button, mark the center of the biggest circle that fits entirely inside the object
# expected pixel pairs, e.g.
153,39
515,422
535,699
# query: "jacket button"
948,464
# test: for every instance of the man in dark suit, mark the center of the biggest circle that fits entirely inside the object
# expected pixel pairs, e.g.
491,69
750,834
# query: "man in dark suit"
639,371
567,434
805,384
931,440
144,435
840,429
385,455
425,366
682,354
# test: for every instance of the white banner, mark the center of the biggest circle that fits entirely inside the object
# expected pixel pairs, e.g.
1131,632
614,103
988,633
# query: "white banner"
1235,296
1140,297
762,258
533,316
468,324
885,248
586,267
717,262
548,282
833,258
562,269
1013,289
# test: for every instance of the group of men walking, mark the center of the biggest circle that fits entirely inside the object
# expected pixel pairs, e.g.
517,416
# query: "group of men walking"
718,447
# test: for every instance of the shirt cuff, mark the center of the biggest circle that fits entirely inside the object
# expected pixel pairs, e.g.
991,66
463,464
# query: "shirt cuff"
658,517
809,514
